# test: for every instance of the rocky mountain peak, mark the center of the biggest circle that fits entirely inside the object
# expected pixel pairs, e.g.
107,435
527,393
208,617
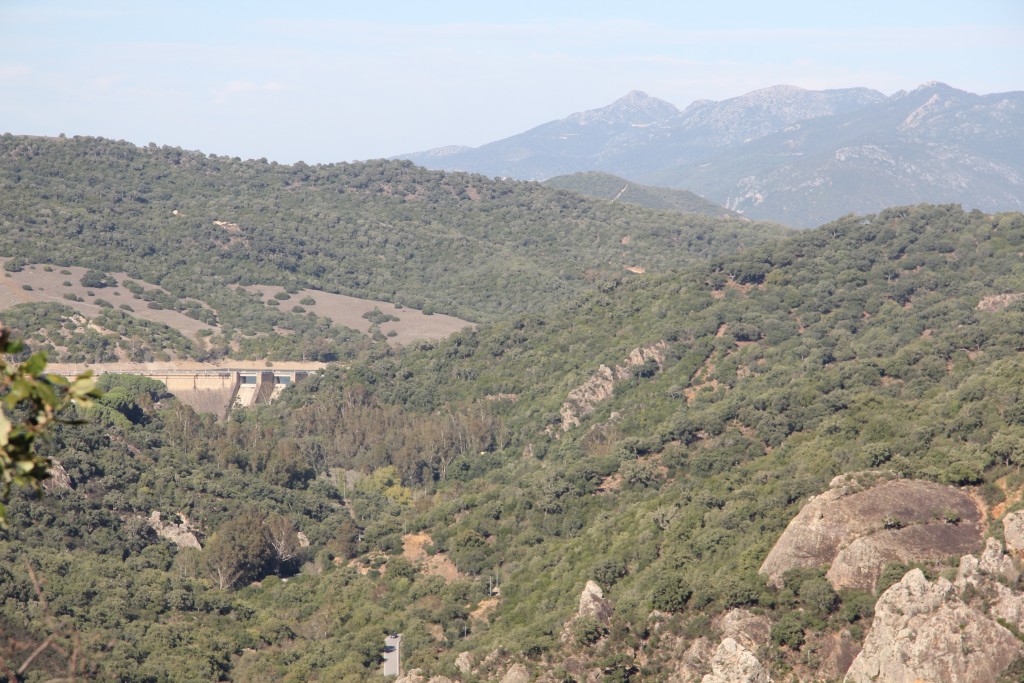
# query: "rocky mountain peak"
636,108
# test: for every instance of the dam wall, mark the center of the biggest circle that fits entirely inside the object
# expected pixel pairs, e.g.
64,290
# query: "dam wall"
210,390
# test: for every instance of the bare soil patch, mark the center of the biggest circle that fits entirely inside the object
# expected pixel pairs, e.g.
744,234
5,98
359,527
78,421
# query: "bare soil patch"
411,326
413,549
46,283
48,286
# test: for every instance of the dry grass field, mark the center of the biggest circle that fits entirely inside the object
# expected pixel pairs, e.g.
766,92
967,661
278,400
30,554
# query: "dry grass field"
48,283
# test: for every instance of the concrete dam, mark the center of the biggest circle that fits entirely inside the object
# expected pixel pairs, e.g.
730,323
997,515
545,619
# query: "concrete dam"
207,388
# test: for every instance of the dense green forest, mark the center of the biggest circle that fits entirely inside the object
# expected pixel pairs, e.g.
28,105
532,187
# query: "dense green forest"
615,189
197,226
736,388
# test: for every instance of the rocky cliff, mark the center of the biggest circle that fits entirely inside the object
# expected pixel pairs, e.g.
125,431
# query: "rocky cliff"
927,630
862,522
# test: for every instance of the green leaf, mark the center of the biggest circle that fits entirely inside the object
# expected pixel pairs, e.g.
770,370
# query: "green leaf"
57,380
20,390
47,395
35,364
83,386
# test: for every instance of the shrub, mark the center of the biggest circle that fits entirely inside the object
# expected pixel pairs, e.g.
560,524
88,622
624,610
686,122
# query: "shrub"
97,279
671,594
587,631
789,631
608,572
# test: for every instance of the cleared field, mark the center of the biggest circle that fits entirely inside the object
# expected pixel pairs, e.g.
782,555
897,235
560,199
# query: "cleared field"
62,284
411,326
52,285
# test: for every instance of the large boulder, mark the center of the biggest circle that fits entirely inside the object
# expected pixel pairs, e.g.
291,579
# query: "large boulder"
1013,531
182,535
746,628
594,605
922,631
733,663
865,521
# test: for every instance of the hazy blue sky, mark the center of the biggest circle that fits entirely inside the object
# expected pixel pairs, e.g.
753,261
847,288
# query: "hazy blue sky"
323,81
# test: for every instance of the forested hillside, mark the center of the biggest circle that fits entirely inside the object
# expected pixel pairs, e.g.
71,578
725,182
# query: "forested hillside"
616,189
655,435
195,225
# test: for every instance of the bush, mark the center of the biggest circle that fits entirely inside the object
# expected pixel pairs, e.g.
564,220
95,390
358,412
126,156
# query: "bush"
789,631
671,594
587,631
608,572
97,279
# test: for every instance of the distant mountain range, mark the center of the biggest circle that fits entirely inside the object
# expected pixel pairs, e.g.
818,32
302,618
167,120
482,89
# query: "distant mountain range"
795,156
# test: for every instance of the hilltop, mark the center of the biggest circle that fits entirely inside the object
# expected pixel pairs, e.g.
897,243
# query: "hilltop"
614,189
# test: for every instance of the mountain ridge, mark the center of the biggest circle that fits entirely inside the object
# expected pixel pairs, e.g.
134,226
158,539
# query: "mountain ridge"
939,144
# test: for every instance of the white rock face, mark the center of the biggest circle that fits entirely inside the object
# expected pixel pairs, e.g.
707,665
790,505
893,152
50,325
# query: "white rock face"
517,673
746,628
996,563
180,534
733,663
464,662
1013,531
593,603
59,477
923,631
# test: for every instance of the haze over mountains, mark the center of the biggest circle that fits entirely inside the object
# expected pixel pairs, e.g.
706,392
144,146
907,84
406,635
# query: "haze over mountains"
796,156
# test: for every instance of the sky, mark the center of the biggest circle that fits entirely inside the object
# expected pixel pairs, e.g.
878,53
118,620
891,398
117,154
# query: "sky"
335,81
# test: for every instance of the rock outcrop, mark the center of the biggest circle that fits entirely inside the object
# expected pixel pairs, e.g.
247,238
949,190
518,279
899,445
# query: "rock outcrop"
696,659
593,605
517,673
182,535
1013,531
59,477
599,387
865,521
464,662
922,630
989,577
417,676
746,628
741,632
733,663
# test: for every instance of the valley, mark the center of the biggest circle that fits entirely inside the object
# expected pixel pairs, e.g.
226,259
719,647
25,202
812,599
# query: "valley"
654,445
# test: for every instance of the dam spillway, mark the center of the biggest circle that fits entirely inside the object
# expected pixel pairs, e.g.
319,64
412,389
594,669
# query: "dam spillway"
207,388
